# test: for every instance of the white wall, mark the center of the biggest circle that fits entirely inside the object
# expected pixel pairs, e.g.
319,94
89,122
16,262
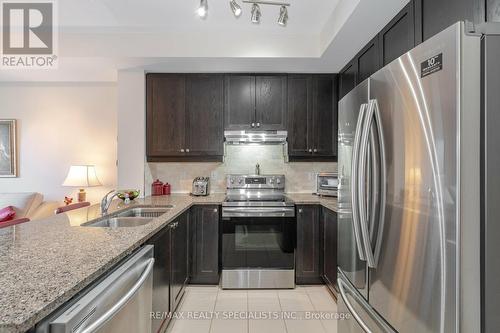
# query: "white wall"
60,125
131,129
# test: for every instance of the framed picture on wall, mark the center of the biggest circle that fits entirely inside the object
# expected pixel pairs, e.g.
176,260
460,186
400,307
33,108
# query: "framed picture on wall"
8,148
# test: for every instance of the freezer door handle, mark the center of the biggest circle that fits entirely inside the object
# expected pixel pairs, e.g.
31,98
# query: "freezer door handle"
345,288
354,181
122,301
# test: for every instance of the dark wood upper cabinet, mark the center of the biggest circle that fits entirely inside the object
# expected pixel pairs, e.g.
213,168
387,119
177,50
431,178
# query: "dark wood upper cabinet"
348,78
300,106
165,114
205,245
432,17
204,115
308,267
329,226
240,101
368,60
255,102
270,102
398,37
312,117
325,115
184,117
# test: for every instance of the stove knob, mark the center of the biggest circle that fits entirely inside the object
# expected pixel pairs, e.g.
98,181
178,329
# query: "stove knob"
232,180
240,181
278,181
271,181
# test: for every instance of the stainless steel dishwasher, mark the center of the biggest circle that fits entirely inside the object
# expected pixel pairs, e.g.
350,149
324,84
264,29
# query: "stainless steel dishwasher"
121,302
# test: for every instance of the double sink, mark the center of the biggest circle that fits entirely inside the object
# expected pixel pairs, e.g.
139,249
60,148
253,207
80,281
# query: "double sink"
131,217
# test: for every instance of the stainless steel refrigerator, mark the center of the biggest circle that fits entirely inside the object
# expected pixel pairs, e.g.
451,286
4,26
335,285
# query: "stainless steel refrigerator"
409,207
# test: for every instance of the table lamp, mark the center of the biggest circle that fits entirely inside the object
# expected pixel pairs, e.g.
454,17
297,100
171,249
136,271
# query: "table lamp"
82,176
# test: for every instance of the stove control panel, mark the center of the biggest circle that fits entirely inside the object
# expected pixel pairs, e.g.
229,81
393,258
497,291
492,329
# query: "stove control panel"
256,181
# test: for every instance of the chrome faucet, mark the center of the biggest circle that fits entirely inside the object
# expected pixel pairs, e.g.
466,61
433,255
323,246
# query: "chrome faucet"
257,169
106,201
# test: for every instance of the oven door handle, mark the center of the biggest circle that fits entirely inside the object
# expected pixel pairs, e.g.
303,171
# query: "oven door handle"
258,211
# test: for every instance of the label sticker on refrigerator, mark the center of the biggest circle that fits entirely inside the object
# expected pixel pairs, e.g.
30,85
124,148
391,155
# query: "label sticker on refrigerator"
431,65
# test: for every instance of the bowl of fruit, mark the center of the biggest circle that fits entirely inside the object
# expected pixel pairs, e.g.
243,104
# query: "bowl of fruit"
130,194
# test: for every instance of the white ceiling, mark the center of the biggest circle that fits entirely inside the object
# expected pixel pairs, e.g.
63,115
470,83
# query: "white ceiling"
305,16
97,38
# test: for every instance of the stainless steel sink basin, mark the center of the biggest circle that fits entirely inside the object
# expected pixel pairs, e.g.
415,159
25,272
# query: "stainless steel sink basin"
120,222
150,212
132,217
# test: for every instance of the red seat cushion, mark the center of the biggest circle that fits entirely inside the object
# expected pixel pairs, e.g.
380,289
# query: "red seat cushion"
6,214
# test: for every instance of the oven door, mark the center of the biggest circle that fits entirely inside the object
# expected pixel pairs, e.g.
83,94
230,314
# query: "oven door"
258,251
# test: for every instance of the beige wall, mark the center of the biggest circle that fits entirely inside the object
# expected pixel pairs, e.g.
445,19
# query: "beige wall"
300,177
59,125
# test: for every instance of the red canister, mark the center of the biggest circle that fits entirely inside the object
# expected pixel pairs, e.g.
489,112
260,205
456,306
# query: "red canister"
166,189
157,188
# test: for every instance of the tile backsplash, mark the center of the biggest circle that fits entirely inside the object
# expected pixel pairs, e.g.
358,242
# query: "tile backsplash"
300,177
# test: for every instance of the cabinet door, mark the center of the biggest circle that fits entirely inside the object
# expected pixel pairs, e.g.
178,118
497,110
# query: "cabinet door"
239,101
434,16
308,267
329,219
161,277
205,245
398,37
270,99
347,78
204,111
325,116
179,258
368,60
300,115
493,10
166,117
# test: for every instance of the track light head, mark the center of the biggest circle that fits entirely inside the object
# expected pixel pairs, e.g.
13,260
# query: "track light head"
203,9
256,13
235,8
283,18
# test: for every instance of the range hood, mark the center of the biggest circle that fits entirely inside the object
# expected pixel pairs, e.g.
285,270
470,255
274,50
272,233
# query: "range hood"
255,137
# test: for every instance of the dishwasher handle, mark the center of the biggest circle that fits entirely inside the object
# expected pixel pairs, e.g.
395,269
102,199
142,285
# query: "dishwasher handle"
122,302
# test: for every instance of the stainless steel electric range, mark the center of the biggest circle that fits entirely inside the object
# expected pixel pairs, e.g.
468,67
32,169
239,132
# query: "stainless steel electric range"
258,234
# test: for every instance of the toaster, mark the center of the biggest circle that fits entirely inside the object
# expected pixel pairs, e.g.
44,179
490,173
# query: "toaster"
201,186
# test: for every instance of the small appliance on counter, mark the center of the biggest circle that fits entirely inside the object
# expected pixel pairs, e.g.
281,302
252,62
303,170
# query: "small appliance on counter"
201,186
327,184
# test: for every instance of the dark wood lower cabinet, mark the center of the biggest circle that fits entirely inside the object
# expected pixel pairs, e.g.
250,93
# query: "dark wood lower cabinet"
161,277
329,227
205,245
308,258
179,258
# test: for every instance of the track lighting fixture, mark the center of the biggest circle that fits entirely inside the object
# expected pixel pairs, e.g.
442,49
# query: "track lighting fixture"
235,8
256,13
283,18
203,9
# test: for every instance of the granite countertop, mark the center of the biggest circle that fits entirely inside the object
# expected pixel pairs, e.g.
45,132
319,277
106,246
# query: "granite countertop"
45,263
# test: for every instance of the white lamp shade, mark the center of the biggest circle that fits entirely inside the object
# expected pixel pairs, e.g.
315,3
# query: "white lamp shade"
82,176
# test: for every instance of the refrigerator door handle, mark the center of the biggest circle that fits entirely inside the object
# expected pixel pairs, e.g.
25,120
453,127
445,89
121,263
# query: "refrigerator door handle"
354,181
350,307
383,179
361,185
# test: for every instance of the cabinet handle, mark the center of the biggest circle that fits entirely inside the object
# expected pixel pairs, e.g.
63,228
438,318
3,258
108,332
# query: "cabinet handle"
182,150
310,150
300,211
253,124
315,150
187,150
258,124
215,210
